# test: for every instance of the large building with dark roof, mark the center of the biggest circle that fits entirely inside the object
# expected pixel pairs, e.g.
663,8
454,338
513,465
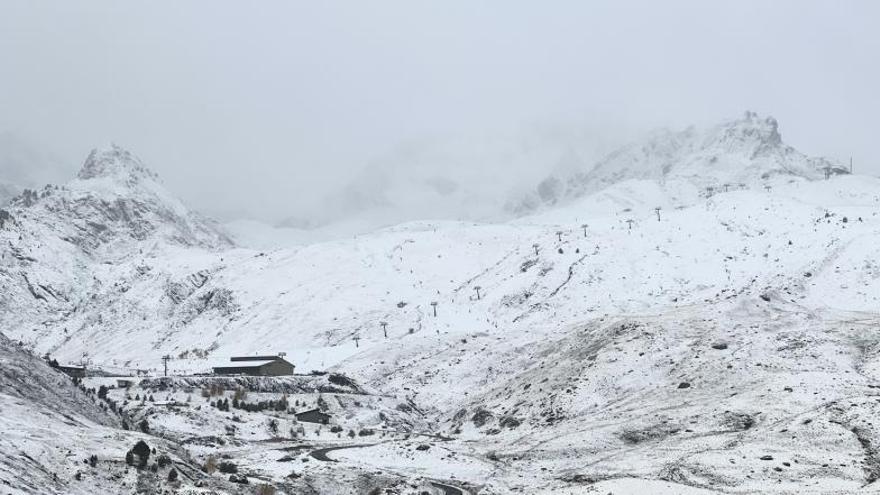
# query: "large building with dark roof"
256,366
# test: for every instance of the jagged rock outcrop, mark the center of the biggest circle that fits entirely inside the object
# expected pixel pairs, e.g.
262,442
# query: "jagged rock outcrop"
62,245
115,200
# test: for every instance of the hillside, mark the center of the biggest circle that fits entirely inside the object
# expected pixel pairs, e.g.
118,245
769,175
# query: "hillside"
696,312
58,439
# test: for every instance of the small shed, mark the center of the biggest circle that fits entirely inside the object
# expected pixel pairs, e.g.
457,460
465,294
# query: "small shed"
256,366
313,416
123,383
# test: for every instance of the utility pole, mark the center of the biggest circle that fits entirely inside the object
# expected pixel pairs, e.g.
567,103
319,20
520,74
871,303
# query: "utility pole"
434,304
657,209
477,288
536,248
357,341
559,235
630,223
584,226
384,328
165,359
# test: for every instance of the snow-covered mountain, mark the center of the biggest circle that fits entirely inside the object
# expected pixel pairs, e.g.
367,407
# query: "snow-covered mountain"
58,240
114,203
742,152
721,342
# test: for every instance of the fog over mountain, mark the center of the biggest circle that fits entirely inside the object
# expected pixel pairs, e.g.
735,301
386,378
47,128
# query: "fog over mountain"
297,114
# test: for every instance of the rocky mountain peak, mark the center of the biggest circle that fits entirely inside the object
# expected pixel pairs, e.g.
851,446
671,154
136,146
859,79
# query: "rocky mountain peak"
748,134
115,201
115,162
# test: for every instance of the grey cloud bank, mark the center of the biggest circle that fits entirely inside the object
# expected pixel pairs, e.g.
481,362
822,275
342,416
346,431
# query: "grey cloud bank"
272,110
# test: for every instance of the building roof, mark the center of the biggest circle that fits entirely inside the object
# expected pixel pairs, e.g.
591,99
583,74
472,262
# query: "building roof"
248,364
255,358
312,411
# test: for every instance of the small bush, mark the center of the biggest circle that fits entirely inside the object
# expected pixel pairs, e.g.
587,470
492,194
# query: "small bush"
227,467
142,451
265,490
210,464
240,394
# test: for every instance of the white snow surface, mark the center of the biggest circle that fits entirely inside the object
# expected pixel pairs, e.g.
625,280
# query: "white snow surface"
697,314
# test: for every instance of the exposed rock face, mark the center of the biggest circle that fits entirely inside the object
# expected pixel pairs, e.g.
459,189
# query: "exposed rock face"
114,214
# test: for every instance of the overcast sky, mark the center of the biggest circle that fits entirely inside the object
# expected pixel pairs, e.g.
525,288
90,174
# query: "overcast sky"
263,107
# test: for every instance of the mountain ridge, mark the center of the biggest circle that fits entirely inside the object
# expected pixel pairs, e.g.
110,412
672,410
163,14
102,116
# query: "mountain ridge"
741,152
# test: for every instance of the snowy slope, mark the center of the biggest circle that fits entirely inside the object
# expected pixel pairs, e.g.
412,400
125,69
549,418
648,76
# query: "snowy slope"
62,243
51,429
562,341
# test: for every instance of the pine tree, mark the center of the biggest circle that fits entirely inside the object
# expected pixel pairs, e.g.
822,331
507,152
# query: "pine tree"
142,451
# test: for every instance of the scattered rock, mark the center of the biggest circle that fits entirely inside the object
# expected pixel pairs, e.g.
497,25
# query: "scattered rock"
239,478
509,422
738,421
481,417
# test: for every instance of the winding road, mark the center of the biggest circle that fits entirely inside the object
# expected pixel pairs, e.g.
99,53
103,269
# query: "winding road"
321,455
448,489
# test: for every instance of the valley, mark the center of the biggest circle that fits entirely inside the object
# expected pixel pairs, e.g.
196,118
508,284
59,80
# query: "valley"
697,314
